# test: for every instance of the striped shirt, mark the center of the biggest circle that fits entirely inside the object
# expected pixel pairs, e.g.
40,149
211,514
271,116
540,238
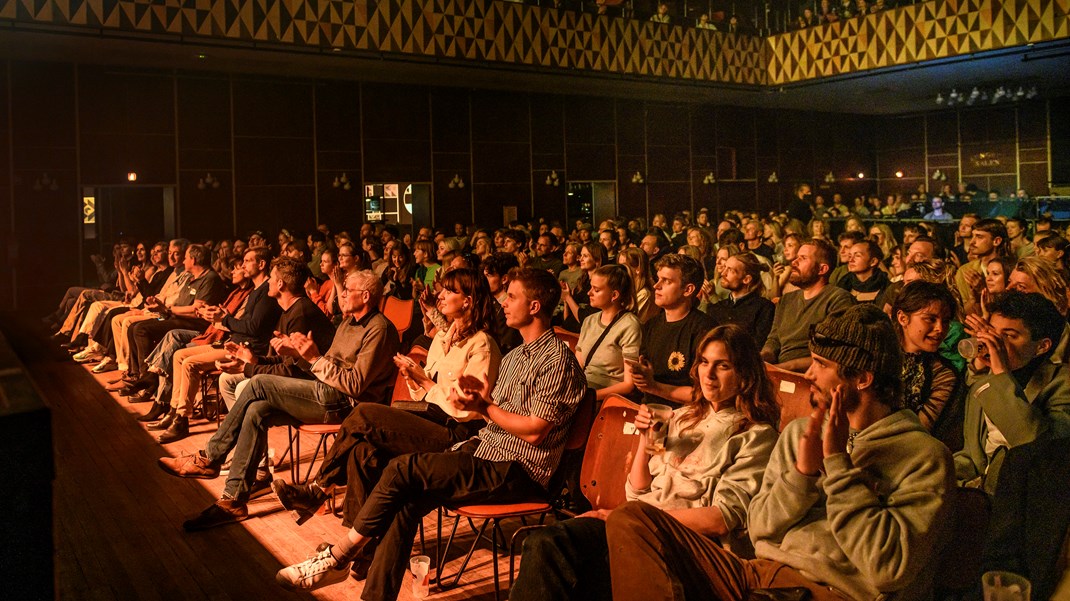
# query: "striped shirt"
543,379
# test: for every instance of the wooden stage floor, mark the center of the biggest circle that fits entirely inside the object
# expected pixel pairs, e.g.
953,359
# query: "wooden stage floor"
118,517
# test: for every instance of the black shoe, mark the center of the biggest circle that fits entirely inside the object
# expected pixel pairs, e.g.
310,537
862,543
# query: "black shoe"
178,430
164,423
157,412
302,500
259,488
141,397
146,382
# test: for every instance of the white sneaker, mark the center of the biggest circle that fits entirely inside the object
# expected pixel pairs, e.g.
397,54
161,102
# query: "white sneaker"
107,364
85,356
317,571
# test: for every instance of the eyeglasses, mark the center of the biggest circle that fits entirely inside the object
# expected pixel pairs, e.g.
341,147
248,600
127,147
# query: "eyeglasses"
340,255
828,341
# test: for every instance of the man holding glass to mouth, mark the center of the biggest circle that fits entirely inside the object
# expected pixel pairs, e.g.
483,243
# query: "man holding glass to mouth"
853,503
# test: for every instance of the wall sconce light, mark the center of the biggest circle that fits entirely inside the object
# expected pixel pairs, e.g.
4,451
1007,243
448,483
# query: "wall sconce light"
456,182
709,179
208,181
939,176
45,182
131,176
637,178
899,173
829,178
342,181
861,175
552,180
773,179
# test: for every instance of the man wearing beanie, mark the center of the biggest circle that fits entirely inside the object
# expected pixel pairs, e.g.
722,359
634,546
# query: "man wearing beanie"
851,507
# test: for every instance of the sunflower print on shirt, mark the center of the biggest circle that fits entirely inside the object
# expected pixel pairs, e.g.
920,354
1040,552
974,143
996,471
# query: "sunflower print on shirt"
676,361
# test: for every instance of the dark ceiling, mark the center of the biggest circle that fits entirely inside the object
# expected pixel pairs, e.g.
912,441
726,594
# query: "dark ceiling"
899,90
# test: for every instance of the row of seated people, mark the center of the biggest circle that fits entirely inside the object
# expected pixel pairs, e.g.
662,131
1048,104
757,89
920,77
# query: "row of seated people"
527,410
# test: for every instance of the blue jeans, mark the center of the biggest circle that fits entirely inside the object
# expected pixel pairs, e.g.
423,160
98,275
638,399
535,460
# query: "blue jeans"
160,357
265,402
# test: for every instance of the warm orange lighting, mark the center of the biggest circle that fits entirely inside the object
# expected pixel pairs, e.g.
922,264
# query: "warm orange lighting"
899,174
131,177
861,175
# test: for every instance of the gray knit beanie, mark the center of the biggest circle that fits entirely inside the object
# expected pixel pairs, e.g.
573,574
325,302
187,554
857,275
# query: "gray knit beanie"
860,337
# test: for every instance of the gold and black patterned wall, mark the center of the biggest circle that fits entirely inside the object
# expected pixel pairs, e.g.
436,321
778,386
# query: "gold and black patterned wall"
515,34
912,34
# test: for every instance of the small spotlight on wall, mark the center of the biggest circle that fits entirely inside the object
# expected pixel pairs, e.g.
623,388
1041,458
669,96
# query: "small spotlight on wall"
861,175
899,173
131,176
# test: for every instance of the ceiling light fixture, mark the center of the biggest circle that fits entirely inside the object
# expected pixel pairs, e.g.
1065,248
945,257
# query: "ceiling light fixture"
979,95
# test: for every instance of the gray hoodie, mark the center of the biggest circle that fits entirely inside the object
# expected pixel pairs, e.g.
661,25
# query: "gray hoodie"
872,525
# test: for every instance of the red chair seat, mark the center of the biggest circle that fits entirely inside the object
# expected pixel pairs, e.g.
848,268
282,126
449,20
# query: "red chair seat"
514,510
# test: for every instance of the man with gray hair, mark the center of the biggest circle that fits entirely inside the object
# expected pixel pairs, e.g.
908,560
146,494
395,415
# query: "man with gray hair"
356,369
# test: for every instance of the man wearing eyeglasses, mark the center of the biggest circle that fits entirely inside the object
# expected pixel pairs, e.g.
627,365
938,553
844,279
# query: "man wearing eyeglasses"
357,368
853,503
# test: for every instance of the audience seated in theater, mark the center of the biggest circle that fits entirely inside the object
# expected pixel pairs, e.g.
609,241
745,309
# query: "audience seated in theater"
822,520
745,306
1018,392
529,413
374,434
356,369
864,280
932,386
297,315
322,293
987,241
77,300
250,324
714,456
610,334
1053,249
423,255
203,289
782,269
98,319
547,254
786,346
671,336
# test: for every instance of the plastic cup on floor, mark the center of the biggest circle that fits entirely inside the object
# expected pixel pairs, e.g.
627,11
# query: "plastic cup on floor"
420,567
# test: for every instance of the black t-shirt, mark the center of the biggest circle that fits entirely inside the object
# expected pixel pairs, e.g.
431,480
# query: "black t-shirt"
670,348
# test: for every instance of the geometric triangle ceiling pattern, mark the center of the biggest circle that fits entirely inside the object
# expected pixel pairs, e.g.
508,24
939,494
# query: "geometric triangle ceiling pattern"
524,36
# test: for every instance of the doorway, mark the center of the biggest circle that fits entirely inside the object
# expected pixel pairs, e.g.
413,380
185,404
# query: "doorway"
591,202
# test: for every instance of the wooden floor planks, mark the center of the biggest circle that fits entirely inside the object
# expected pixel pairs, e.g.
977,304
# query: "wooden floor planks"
117,516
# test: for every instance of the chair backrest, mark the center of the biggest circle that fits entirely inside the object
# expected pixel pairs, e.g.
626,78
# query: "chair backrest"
793,394
611,447
399,312
569,338
959,565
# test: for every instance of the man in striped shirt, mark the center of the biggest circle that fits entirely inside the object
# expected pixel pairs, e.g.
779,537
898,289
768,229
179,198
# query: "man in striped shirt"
529,413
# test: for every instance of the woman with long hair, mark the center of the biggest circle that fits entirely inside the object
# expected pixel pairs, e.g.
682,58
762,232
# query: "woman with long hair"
577,306
607,336
854,224
997,276
398,276
932,387
700,238
323,293
373,434
883,236
638,265
1034,274
819,229
715,451
782,269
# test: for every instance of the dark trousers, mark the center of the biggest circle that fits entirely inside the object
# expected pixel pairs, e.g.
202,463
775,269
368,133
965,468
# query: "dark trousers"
370,437
411,487
145,335
568,560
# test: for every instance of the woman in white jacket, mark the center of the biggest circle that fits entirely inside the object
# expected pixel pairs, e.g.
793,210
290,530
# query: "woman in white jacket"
715,454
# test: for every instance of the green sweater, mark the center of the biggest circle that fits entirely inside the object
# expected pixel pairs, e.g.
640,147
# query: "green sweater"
872,523
790,337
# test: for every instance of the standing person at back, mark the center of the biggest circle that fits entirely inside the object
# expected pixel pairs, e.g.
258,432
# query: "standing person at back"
672,335
786,346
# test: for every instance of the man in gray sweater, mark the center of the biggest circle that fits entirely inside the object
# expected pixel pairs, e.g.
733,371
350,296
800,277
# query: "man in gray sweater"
798,310
356,369
851,507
